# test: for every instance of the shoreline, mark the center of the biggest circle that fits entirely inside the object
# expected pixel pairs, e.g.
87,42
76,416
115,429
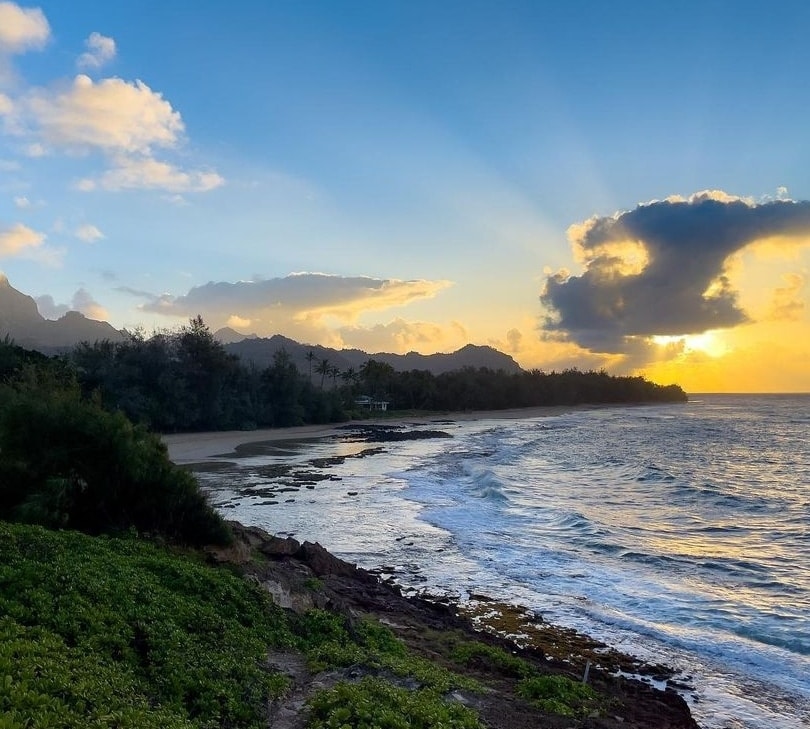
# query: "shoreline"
567,649
303,575
187,448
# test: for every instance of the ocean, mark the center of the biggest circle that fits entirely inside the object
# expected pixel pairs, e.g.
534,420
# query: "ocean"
676,533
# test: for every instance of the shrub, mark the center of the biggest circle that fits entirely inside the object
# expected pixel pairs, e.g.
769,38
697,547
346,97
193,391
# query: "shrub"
67,462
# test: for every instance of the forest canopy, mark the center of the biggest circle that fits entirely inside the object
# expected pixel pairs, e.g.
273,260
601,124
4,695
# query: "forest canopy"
184,380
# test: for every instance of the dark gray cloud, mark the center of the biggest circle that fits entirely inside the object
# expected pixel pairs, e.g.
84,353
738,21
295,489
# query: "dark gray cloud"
660,269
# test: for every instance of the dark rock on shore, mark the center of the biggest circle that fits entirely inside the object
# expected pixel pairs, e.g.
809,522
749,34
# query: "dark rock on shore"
389,433
304,575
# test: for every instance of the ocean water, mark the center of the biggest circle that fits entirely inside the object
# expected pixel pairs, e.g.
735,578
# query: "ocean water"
677,533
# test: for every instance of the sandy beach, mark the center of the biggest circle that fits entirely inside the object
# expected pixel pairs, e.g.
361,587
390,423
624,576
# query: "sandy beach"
196,447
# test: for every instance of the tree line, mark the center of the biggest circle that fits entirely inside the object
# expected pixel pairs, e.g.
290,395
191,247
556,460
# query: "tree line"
185,380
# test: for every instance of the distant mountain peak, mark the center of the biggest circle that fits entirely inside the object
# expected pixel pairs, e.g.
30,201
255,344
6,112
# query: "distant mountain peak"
21,321
228,335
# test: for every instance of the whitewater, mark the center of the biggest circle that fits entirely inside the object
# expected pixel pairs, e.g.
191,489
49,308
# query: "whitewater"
676,533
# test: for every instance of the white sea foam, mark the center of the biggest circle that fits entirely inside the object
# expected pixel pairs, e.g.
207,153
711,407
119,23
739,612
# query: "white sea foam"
677,533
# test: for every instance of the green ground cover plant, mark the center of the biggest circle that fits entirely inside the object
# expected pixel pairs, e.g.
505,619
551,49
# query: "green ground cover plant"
377,704
560,695
122,633
555,694
490,657
329,641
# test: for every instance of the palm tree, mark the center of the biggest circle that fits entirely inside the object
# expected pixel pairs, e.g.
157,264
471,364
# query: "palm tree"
349,376
333,373
310,356
322,368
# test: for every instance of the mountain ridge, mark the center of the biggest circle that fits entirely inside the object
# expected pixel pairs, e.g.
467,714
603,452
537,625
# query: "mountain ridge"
21,321
261,351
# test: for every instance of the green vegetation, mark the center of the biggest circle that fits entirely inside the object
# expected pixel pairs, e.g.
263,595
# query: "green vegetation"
67,462
376,704
329,641
117,632
109,632
490,658
554,694
560,695
186,381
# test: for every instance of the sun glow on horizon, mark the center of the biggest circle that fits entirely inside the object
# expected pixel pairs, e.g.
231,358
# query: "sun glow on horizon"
709,343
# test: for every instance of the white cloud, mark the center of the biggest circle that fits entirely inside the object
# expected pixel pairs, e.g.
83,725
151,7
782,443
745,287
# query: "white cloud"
22,28
18,238
81,301
100,50
148,173
125,121
45,255
22,202
36,150
88,233
49,308
112,115
238,322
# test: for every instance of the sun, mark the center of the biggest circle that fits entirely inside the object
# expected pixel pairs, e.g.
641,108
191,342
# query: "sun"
709,343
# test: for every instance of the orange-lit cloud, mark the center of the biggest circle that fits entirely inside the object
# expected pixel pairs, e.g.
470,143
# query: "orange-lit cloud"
664,268
17,239
238,322
772,361
315,305
400,336
788,301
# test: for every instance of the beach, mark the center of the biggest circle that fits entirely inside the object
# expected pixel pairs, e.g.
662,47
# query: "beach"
186,448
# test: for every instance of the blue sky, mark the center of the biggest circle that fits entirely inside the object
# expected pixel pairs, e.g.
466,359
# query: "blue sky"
423,168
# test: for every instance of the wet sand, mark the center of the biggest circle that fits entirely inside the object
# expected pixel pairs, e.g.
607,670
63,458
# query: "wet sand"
187,448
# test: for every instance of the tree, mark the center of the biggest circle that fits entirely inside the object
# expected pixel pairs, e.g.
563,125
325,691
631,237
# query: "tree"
377,377
322,368
310,357
67,462
333,373
281,392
